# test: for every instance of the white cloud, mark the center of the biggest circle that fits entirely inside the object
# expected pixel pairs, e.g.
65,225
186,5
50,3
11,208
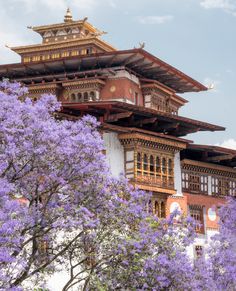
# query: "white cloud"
228,6
30,5
155,19
112,3
83,5
229,71
230,143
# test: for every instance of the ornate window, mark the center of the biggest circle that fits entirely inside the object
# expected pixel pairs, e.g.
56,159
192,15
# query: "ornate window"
86,99
152,172
185,181
74,53
92,96
196,212
73,97
139,163
215,185
79,97
65,54
204,184
214,180
198,250
83,52
145,163
232,188
158,166
129,164
149,169
157,207
194,182
82,96
223,186
26,59
170,167
36,58
89,50
150,208
164,169
153,160
45,57
55,56
163,210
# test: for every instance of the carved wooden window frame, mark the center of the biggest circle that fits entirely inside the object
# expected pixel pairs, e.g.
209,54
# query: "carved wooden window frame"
157,207
194,182
149,167
196,212
223,186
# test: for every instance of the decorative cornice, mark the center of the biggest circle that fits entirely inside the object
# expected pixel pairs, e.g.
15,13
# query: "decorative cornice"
212,228
151,142
83,84
154,189
148,89
156,87
77,23
178,197
63,44
208,168
42,88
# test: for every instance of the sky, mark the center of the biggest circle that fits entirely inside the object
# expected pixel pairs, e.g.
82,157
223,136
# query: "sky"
196,36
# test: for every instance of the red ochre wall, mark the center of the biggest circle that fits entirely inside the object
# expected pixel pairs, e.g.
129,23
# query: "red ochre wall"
124,88
182,200
194,199
207,202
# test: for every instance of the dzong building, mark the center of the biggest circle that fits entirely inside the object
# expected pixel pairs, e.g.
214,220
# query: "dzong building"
135,97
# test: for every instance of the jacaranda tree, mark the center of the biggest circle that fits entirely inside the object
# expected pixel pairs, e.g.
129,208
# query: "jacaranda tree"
55,188
222,250
60,209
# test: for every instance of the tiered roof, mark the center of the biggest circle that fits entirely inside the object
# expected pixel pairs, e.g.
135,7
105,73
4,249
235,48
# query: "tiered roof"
138,61
101,62
129,115
211,154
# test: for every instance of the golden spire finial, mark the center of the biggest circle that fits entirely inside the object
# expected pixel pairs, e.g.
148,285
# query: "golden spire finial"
68,16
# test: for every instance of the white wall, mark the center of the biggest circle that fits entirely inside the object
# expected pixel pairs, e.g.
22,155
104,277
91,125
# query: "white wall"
209,185
177,175
124,74
114,153
201,240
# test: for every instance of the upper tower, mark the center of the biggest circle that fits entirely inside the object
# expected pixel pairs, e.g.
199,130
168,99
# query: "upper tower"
124,87
69,38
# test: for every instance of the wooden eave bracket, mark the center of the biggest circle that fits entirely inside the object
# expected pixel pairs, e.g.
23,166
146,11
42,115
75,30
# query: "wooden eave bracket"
117,116
145,121
169,126
220,158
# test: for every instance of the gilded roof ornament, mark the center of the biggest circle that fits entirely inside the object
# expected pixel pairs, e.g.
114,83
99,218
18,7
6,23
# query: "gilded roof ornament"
68,16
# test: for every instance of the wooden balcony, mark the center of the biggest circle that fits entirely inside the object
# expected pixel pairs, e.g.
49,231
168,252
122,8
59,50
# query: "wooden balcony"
154,181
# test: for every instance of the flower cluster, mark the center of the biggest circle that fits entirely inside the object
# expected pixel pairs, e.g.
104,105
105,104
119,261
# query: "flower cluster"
60,208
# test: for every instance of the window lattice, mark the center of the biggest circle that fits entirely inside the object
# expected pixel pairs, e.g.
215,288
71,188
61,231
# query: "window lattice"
83,96
197,214
223,186
157,207
155,169
194,182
